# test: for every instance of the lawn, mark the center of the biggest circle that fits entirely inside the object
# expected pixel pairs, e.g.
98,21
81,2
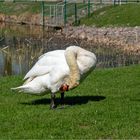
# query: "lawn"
105,105
124,15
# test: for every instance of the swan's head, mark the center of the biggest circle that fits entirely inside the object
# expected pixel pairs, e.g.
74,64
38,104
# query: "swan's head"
67,87
64,87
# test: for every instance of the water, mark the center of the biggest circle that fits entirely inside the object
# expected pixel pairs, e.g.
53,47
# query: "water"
20,46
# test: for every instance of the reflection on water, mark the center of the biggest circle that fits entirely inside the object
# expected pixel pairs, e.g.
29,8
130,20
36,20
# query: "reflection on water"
16,60
114,58
17,56
20,46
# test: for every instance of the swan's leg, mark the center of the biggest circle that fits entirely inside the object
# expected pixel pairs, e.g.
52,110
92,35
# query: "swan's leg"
52,105
62,98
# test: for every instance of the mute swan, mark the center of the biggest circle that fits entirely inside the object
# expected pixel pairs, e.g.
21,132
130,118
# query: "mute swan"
58,71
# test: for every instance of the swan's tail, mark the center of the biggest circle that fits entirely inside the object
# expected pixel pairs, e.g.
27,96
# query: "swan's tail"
21,88
30,90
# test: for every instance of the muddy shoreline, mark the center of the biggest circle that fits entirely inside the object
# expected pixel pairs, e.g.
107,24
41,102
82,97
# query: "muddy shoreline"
24,18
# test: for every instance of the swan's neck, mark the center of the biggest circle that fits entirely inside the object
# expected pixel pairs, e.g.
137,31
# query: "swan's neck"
73,79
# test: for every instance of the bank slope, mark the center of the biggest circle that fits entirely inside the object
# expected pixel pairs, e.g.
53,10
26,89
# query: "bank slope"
124,15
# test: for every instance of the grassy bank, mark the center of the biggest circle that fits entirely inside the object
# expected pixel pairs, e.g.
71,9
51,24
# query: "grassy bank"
105,105
18,8
124,15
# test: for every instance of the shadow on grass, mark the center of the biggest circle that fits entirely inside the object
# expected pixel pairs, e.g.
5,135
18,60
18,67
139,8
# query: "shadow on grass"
67,100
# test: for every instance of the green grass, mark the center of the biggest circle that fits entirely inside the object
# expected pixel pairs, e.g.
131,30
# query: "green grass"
24,6
105,105
18,8
124,15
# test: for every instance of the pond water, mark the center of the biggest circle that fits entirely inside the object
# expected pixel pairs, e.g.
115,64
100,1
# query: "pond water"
21,45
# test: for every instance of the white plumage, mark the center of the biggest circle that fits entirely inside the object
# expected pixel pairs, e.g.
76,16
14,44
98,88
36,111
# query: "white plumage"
56,68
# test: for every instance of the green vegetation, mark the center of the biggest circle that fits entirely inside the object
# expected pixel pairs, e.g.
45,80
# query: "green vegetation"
23,6
105,105
18,8
124,15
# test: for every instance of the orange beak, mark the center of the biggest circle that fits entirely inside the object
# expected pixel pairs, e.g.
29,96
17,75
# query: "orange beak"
64,87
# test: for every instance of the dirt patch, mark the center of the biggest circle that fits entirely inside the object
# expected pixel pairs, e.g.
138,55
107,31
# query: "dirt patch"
25,18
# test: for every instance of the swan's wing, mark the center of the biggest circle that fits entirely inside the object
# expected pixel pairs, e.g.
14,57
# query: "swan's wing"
37,70
46,63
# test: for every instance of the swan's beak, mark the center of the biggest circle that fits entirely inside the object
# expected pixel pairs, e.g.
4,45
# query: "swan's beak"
64,87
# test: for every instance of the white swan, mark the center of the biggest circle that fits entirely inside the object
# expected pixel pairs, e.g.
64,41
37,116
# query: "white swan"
58,71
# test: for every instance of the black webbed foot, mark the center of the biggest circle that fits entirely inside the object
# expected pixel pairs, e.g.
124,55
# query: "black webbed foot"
52,105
